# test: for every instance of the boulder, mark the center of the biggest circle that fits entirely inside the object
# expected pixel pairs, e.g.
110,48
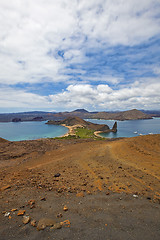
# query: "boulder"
45,222
26,219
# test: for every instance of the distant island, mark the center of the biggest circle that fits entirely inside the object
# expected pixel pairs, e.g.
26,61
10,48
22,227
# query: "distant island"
133,114
73,123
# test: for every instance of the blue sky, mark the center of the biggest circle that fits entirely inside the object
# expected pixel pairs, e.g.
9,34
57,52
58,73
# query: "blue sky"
61,55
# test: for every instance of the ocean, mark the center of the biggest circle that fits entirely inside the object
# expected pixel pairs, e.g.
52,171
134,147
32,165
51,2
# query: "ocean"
130,128
35,130
17,131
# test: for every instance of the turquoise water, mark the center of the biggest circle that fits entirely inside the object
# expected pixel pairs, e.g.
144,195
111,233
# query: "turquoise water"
131,128
34,130
30,130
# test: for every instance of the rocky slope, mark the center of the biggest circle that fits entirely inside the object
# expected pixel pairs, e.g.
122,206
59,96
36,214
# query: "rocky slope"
126,115
86,189
72,121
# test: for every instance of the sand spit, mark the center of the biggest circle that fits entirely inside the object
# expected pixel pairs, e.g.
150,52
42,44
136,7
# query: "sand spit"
97,133
75,122
110,188
71,129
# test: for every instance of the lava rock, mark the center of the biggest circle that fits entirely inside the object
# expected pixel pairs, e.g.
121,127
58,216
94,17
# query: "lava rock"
59,215
33,223
65,208
80,194
56,226
45,222
5,187
43,199
21,212
57,175
26,219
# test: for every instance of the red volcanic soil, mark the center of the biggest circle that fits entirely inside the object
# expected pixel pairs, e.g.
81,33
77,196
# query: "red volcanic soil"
111,188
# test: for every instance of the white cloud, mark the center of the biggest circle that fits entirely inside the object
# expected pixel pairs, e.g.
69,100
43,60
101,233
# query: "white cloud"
104,88
120,22
98,77
102,97
32,32
156,69
29,29
13,98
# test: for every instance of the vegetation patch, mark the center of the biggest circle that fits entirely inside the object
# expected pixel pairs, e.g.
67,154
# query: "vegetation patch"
82,133
67,137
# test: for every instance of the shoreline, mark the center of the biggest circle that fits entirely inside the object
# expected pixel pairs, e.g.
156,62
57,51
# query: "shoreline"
72,128
96,133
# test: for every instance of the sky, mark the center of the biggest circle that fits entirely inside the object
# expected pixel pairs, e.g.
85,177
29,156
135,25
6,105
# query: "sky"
60,55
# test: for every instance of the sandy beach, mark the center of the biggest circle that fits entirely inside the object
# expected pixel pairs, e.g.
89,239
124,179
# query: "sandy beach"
71,129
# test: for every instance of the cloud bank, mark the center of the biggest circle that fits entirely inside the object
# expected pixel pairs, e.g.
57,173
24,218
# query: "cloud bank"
67,54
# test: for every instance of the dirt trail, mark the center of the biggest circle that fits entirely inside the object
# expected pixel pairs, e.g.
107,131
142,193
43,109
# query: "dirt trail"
127,165
118,182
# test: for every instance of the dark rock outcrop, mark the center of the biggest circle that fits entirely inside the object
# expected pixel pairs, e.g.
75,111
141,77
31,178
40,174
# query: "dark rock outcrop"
38,119
16,120
114,128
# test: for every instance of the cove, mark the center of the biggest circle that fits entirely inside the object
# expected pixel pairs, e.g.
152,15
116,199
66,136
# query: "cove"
30,130
131,128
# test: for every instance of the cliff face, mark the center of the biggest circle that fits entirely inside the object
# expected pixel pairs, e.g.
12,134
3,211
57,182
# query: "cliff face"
114,128
71,121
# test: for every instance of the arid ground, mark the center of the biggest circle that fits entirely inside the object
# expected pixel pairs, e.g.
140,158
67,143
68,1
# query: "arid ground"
111,188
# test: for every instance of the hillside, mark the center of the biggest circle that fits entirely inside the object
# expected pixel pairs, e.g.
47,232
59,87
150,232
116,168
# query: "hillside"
133,114
88,189
72,121
126,115
82,113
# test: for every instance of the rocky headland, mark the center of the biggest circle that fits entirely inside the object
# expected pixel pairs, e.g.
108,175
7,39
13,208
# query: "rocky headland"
75,122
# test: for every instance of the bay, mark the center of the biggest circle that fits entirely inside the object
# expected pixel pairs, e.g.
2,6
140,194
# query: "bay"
30,130
130,128
35,130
